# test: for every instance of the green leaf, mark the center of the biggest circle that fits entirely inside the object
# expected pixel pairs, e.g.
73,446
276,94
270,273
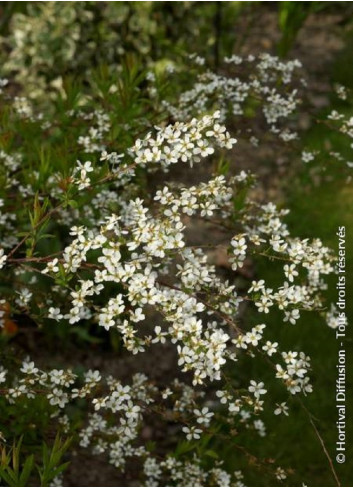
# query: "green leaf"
212,454
27,469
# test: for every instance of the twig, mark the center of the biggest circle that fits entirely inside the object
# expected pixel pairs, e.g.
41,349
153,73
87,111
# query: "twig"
322,443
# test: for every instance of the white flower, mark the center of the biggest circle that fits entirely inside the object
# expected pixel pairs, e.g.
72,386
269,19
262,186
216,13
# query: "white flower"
99,403
224,396
292,316
3,258
257,388
17,391
307,156
93,376
192,433
281,373
234,407
290,272
166,393
260,427
87,166
52,266
160,335
264,304
270,348
253,337
54,313
58,398
257,285
3,373
281,409
280,474
239,245
29,368
204,416
132,411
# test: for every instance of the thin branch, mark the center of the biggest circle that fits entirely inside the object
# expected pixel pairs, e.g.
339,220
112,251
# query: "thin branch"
322,443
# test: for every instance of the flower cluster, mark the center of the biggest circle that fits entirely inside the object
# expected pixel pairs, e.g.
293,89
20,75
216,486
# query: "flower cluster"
254,79
341,125
137,251
115,415
190,472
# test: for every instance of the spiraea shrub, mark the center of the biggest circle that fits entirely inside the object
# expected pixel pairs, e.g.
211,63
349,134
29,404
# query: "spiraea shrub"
89,247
